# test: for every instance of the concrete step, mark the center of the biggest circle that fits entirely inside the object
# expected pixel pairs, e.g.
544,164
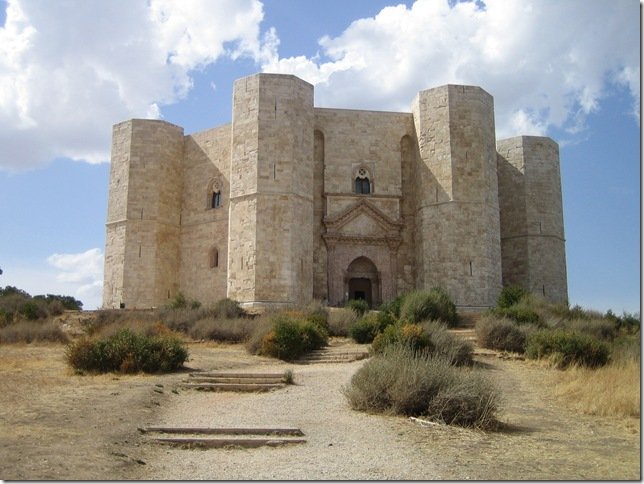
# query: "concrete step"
234,387
230,442
292,431
224,374
220,379
332,357
242,437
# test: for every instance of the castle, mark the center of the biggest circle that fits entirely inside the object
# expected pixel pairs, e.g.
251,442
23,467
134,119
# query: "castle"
292,202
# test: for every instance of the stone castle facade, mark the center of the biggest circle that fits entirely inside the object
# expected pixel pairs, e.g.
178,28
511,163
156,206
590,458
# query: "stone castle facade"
291,202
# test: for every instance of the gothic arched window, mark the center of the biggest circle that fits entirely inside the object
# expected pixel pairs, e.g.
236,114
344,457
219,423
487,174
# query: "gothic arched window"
362,185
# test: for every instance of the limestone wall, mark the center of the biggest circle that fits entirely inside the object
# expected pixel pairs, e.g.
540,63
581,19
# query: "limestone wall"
444,209
271,191
116,216
369,140
457,218
532,231
204,229
144,245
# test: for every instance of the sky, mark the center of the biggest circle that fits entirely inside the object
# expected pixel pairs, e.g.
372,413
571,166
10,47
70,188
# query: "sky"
70,69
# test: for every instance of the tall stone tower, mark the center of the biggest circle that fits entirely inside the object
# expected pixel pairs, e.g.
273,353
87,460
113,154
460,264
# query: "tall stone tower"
270,242
532,231
457,218
142,240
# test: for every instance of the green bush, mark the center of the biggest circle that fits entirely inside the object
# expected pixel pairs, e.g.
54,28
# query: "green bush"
180,302
288,338
502,334
510,295
409,335
598,328
365,329
393,307
435,304
452,348
629,323
567,348
33,310
520,313
359,306
127,352
228,308
402,381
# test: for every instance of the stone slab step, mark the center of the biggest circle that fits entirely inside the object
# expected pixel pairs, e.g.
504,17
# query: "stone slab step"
235,387
219,379
224,374
230,442
224,430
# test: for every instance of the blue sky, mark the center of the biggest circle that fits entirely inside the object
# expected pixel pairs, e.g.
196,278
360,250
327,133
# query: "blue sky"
69,70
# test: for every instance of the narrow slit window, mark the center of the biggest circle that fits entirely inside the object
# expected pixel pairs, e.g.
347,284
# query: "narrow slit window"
216,199
214,258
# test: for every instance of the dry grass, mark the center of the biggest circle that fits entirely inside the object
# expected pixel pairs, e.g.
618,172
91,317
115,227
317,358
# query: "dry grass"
613,390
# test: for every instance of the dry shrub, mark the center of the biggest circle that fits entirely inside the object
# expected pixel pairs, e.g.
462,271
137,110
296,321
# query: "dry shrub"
262,326
340,321
403,381
498,333
613,390
230,330
448,346
598,328
29,331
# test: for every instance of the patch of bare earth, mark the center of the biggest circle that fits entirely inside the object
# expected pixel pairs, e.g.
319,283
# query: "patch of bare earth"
57,425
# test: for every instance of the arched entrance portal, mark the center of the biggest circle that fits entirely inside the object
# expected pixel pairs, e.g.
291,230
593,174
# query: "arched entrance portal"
362,281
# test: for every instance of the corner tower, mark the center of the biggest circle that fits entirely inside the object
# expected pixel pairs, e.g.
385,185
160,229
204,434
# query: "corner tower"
532,230
270,245
457,217
142,239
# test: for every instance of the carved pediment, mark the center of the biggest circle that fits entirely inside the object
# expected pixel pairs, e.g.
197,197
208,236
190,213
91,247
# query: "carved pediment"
363,222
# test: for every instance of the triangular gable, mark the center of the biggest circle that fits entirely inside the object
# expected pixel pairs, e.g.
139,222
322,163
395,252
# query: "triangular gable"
363,219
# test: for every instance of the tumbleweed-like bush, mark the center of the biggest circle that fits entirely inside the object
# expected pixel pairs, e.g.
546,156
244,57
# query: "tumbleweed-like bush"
498,333
403,381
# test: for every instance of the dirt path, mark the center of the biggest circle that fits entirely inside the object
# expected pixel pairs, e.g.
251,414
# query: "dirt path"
56,425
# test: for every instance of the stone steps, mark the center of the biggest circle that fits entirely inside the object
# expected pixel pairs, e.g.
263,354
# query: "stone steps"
235,382
333,355
243,437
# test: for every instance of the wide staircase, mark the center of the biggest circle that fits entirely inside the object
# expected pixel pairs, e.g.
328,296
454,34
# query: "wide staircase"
339,350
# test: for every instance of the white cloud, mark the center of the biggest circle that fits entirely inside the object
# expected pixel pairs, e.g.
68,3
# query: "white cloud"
83,272
78,275
547,63
69,70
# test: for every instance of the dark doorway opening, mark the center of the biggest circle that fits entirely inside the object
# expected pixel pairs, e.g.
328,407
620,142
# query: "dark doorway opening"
360,288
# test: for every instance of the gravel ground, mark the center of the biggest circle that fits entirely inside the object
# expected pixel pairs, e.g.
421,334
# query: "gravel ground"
341,444
543,440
